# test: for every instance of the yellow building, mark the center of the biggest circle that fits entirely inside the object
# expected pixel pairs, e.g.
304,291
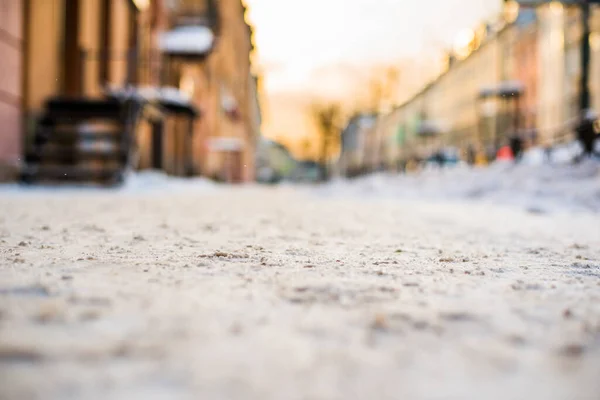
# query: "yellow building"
519,76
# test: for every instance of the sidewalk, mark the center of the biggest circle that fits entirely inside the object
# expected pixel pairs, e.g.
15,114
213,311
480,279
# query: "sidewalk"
275,293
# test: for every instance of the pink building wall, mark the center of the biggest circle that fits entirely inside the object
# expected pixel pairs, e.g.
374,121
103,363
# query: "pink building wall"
11,44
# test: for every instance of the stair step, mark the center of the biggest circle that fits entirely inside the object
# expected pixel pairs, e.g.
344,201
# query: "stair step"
84,106
82,139
78,110
72,118
42,173
71,155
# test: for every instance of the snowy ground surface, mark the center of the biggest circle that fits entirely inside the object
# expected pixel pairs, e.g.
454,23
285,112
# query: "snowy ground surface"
382,288
537,188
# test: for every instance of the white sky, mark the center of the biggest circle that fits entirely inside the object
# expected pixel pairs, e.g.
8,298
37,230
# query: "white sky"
295,37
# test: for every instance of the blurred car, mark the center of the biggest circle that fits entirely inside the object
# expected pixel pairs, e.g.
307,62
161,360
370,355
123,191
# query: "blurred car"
449,156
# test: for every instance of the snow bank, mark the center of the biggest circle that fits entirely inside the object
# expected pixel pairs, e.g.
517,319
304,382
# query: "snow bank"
154,182
157,181
534,185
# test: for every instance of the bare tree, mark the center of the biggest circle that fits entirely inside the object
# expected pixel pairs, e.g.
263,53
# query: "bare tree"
379,85
327,118
383,88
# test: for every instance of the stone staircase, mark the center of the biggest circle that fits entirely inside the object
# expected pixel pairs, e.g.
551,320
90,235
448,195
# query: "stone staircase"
83,141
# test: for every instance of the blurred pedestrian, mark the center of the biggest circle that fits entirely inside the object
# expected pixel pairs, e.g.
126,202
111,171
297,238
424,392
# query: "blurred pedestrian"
548,152
505,154
516,146
471,155
534,137
439,159
586,132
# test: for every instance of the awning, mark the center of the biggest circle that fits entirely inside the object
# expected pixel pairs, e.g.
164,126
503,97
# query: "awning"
194,40
430,128
503,89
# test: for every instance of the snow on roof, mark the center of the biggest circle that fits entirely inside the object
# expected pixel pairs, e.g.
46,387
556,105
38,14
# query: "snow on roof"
190,40
511,87
151,93
225,144
505,88
430,128
165,94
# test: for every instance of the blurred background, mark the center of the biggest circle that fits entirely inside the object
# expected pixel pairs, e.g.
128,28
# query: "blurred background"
275,90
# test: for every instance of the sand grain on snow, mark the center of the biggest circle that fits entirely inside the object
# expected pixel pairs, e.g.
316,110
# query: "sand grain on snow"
264,293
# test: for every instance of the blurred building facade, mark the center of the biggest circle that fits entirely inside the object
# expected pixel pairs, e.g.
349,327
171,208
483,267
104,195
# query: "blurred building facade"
11,90
355,147
274,162
88,49
233,93
519,76
87,46
223,86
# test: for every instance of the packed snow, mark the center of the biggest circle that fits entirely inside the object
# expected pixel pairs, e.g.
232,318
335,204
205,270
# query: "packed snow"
268,293
146,182
425,286
532,184
537,183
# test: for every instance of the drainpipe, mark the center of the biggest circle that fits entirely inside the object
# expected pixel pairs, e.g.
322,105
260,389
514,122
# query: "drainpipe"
72,57
105,43
133,53
586,130
584,100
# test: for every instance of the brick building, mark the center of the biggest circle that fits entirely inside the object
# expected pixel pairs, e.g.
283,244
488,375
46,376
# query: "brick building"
208,48
88,48
69,49
11,89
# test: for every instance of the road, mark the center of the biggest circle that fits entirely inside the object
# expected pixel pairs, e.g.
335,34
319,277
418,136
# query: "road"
280,293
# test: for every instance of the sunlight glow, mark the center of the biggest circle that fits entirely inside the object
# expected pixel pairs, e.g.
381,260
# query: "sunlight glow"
511,11
556,7
595,41
463,44
328,48
141,4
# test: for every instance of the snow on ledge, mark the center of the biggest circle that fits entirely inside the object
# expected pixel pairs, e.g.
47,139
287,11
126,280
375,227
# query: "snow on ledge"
225,144
165,94
541,183
190,40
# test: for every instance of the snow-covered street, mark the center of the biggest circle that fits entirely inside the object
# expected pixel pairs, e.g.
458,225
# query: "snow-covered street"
379,288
